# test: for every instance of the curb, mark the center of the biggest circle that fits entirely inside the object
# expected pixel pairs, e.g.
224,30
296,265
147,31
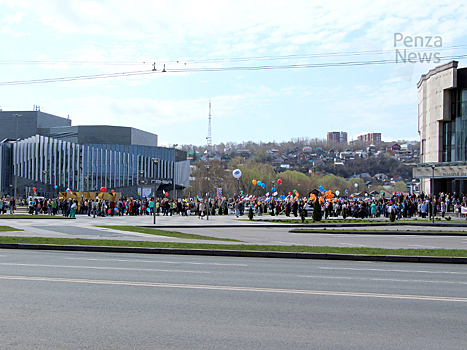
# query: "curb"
240,253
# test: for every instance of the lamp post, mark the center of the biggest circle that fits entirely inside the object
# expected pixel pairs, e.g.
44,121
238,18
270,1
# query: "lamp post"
44,180
174,195
207,166
17,116
156,163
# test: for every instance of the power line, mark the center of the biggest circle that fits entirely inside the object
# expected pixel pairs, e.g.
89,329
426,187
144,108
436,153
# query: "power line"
232,59
216,69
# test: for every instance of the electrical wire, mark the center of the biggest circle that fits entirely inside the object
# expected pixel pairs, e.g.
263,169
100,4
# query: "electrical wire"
231,59
215,69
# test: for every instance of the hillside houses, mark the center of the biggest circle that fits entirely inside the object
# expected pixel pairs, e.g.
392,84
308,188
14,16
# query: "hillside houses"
309,159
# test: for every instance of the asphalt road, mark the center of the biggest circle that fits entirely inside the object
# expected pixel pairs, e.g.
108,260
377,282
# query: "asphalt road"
85,300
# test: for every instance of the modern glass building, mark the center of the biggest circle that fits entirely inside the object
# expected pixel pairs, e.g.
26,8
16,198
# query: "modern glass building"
442,125
86,158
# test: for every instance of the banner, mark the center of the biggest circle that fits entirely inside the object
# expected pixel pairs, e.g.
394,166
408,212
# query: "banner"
219,192
463,210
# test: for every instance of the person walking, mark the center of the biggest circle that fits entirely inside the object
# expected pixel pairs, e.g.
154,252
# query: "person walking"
94,208
12,205
151,207
202,207
73,208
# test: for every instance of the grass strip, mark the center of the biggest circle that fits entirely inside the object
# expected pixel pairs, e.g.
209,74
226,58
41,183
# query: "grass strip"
8,228
210,246
295,221
298,221
175,234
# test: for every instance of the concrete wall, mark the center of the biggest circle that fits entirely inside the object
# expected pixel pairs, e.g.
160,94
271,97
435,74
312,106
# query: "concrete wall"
434,108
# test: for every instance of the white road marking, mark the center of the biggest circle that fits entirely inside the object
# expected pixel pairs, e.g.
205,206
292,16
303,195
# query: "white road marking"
380,279
389,270
238,289
419,246
156,261
102,268
353,245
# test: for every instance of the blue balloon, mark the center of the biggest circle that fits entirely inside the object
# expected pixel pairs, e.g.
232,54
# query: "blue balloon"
263,185
55,186
273,189
346,191
283,197
259,183
321,188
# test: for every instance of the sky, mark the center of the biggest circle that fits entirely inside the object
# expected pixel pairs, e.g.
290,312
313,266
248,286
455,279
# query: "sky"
273,70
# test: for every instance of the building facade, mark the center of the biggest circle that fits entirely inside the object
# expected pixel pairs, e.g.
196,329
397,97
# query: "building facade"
337,137
54,156
373,138
442,125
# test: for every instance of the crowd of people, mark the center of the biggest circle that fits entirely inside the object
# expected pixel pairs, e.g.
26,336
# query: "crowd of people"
403,205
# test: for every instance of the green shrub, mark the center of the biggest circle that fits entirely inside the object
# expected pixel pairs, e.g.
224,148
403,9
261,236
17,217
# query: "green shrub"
250,213
317,215
392,216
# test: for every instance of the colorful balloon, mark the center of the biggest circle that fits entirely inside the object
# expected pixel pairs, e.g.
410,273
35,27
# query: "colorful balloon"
259,183
263,185
279,181
254,182
321,188
34,189
273,189
103,189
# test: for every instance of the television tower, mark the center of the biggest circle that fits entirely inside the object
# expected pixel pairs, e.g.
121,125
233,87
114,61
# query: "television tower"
209,137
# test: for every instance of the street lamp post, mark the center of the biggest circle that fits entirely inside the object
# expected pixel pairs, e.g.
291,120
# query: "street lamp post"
156,163
207,166
44,180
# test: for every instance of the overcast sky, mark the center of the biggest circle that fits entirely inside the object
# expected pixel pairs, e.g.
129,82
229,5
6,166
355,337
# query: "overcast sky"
212,51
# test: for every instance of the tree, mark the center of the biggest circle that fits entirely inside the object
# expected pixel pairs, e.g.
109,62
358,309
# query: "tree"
317,215
399,186
260,156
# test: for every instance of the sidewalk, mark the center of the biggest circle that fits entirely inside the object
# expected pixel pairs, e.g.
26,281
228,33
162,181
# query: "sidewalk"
249,232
